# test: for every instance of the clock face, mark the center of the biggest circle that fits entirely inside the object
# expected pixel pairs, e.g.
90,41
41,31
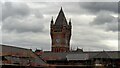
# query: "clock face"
57,40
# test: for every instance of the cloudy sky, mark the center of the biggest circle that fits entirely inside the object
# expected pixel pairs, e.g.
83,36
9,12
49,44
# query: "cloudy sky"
27,24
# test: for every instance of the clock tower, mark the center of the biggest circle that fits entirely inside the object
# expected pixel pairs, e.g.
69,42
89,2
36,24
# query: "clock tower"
60,32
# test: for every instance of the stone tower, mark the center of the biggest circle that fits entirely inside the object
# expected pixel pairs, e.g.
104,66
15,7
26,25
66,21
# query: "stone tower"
60,32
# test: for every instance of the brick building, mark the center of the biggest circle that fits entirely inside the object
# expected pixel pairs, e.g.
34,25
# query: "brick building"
60,33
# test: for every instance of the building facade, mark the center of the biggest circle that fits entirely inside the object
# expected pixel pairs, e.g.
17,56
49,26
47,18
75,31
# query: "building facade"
60,32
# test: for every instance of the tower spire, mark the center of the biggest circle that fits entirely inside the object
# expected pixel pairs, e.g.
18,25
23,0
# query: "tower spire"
61,9
61,19
52,21
70,23
60,33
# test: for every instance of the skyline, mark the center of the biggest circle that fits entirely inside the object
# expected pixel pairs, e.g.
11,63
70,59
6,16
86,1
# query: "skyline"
94,25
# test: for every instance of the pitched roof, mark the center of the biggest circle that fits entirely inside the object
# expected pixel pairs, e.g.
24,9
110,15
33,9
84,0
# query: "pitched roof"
102,55
114,54
61,20
47,55
16,54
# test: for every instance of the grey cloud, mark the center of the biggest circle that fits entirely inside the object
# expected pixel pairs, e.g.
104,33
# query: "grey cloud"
91,44
29,44
118,26
14,9
35,23
81,7
103,18
19,17
89,37
95,46
26,40
53,8
113,27
106,21
0,11
95,7
27,25
38,14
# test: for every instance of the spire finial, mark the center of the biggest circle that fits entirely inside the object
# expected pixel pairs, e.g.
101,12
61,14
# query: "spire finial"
52,17
52,21
70,20
61,9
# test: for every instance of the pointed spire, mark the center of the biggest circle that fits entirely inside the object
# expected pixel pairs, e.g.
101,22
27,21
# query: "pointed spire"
61,19
70,21
52,21
61,9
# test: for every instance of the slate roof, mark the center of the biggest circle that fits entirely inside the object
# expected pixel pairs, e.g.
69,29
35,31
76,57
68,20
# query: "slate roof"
53,56
80,55
20,55
114,54
61,20
102,55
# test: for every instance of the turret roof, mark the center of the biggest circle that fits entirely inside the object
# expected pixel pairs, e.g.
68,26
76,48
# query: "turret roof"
61,20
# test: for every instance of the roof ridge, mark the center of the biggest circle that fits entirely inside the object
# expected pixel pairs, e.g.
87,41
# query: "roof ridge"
14,47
